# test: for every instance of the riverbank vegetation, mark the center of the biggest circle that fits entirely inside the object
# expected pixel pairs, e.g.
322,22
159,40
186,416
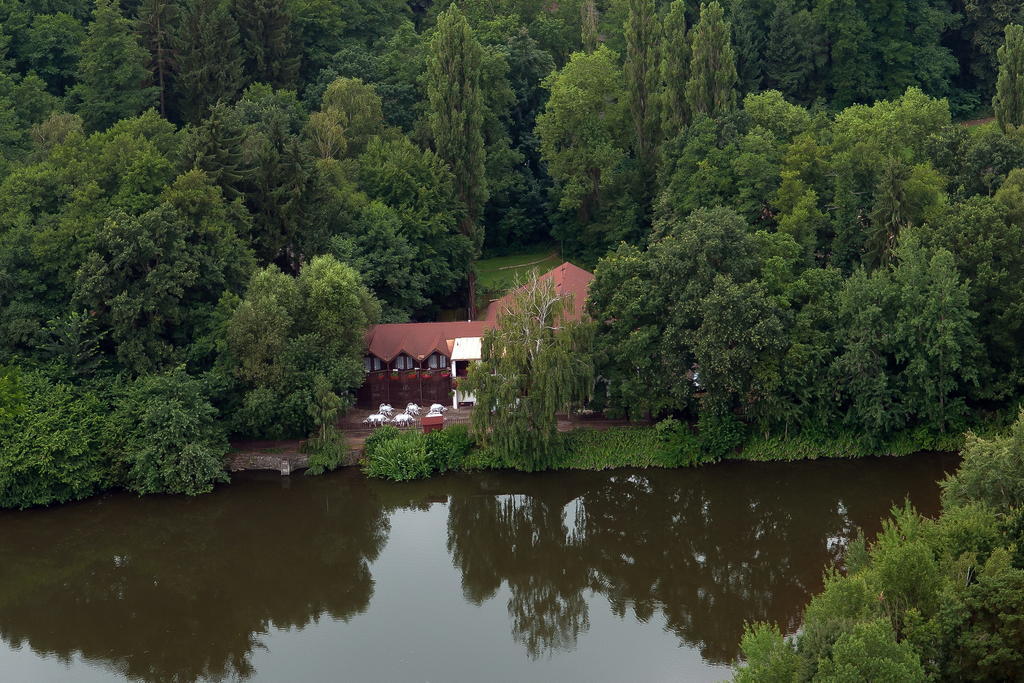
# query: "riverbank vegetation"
927,599
203,205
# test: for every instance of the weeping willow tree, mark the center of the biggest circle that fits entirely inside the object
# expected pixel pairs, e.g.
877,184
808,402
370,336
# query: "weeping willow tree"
535,363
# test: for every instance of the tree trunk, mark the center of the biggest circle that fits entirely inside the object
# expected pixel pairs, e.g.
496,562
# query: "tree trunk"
471,287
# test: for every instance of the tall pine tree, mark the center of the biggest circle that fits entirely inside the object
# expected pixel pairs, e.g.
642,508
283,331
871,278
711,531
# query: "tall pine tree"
265,28
711,89
1009,100
456,116
748,30
156,26
642,77
675,70
209,58
113,82
788,56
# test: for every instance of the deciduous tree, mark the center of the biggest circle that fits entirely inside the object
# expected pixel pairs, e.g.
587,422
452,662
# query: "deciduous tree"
1009,99
535,363
456,116
711,89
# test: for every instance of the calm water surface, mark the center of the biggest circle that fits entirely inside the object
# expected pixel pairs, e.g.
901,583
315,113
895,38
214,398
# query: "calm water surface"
589,576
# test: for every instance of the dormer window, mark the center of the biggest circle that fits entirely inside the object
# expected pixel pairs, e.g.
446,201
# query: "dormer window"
404,362
372,363
437,361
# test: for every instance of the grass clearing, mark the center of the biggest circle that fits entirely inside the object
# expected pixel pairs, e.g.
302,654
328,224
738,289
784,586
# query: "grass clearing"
500,272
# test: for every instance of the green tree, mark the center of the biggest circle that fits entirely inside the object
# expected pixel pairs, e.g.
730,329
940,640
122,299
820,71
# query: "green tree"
156,25
52,49
789,51
266,39
1008,102
209,58
934,334
711,89
992,471
535,363
355,108
168,435
643,34
738,347
649,305
582,133
214,146
288,336
284,189
52,448
150,279
113,82
456,114
870,652
749,31
675,70
852,72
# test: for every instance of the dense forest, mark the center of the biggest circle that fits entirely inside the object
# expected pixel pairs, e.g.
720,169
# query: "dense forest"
204,203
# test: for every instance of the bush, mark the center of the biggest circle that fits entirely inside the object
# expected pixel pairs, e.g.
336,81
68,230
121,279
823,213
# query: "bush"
678,444
402,457
719,435
52,444
326,454
447,448
170,440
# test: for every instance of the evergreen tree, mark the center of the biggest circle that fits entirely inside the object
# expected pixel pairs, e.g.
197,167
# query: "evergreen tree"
265,29
675,70
209,59
787,62
852,74
156,26
456,114
711,89
748,32
1009,100
113,82
215,147
642,76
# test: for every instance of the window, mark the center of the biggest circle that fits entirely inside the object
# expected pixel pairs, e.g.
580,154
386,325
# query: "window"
372,363
404,362
436,361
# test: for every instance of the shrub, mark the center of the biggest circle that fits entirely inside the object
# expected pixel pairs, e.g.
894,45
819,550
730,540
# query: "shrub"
719,435
52,444
447,448
325,454
678,445
399,456
169,437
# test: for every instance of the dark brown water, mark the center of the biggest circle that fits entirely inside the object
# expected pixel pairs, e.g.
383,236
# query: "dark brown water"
590,576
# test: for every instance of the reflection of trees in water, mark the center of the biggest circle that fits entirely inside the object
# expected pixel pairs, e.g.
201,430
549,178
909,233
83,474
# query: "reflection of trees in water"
523,540
707,549
174,589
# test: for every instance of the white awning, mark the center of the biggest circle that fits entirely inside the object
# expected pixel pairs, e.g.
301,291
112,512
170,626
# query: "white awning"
466,348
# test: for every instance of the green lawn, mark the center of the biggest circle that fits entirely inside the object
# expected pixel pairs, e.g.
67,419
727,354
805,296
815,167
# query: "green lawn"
502,271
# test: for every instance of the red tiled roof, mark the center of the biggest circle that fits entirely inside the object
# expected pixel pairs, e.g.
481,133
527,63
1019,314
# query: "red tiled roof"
568,279
419,340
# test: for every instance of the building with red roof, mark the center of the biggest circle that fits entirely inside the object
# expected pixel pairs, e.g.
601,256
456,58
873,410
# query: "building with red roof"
569,280
421,362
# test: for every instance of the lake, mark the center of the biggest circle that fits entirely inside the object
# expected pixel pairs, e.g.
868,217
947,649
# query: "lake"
644,575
